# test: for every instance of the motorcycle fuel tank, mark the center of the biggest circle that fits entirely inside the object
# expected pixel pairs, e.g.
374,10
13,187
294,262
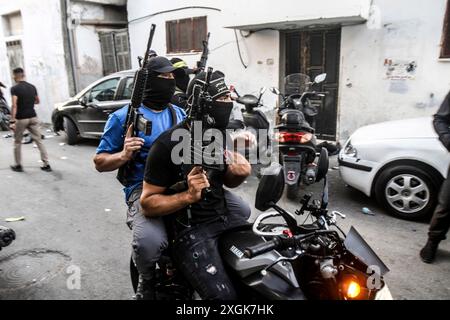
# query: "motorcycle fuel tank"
279,282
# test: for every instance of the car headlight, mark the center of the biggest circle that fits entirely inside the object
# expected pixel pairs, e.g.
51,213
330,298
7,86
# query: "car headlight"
350,150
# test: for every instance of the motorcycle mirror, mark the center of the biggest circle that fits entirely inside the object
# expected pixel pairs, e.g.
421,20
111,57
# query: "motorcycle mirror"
320,78
270,188
263,89
275,91
322,165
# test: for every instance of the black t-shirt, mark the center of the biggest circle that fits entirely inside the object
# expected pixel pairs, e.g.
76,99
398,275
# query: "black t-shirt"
161,171
26,94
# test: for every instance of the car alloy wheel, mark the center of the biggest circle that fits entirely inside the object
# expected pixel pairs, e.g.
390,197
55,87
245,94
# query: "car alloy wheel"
407,193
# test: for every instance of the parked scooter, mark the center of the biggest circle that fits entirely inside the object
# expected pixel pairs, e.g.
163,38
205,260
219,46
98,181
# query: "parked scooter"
5,115
295,131
256,122
289,261
7,236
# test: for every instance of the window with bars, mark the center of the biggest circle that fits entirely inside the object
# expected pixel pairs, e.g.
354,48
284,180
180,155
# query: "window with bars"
445,51
186,35
115,51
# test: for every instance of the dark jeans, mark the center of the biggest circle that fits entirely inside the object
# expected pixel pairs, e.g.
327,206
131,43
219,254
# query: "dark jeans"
196,253
150,236
440,223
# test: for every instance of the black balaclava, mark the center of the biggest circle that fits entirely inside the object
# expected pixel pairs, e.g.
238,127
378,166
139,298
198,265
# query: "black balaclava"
219,111
181,73
158,92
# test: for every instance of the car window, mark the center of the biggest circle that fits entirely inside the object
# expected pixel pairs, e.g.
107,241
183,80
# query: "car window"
104,91
128,88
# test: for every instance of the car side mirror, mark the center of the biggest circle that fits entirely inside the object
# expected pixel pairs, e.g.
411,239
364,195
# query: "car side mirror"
84,101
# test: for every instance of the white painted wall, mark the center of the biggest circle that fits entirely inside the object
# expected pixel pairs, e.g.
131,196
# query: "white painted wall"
44,60
404,30
88,51
260,51
407,30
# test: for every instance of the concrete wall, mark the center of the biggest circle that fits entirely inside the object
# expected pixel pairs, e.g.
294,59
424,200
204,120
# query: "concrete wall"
398,32
403,31
88,55
44,62
260,51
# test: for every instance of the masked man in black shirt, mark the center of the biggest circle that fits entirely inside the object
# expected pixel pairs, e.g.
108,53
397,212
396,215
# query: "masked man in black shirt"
204,214
440,222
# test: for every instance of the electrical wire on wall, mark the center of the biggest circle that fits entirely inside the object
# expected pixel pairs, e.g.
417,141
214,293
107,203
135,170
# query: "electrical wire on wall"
239,50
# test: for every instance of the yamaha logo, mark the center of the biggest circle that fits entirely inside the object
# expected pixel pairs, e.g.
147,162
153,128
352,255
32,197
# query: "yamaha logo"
238,253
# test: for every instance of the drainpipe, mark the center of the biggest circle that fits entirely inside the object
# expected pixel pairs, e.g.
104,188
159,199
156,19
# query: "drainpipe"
72,53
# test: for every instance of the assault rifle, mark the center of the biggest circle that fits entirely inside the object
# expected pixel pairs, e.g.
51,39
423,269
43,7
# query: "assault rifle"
201,65
197,116
134,117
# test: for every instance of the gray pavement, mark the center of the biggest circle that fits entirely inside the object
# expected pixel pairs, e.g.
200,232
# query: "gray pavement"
75,223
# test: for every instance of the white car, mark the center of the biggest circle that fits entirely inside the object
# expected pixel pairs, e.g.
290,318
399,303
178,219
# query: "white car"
402,163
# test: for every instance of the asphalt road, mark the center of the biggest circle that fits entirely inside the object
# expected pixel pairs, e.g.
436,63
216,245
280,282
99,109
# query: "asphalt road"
74,229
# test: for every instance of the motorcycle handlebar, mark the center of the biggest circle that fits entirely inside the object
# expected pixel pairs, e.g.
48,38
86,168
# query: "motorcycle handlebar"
281,243
262,248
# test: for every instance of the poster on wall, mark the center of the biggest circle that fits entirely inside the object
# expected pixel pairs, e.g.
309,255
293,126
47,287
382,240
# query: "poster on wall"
400,69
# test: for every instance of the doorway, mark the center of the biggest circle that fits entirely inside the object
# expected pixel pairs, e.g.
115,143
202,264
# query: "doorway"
312,53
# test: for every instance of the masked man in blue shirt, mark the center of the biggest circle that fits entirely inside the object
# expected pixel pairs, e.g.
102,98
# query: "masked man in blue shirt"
117,147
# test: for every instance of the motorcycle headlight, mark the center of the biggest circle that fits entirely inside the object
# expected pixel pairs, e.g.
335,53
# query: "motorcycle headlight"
353,290
350,150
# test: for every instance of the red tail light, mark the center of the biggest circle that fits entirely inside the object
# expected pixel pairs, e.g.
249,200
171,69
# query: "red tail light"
294,137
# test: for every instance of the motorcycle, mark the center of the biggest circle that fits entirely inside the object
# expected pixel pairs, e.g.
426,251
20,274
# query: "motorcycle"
5,115
289,261
7,236
295,131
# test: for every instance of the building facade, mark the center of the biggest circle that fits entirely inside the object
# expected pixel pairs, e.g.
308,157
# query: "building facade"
385,60
63,45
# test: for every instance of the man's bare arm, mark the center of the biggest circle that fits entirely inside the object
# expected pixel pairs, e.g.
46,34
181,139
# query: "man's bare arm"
155,203
105,162
37,100
238,170
14,107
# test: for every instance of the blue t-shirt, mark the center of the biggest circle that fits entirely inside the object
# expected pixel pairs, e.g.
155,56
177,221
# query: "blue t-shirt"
114,133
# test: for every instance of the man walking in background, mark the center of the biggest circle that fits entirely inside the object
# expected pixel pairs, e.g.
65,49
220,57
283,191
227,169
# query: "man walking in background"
440,223
23,116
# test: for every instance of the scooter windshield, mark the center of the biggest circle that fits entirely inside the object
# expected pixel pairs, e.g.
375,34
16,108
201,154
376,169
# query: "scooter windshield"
296,83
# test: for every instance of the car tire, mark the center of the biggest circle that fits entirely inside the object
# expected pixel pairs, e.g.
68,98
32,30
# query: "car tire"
71,131
407,192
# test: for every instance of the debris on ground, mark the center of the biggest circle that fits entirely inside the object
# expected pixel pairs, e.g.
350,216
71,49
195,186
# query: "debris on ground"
62,144
63,158
15,219
107,210
9,135
367,211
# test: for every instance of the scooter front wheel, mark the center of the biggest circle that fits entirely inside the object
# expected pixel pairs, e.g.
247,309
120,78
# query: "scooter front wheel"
292,191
